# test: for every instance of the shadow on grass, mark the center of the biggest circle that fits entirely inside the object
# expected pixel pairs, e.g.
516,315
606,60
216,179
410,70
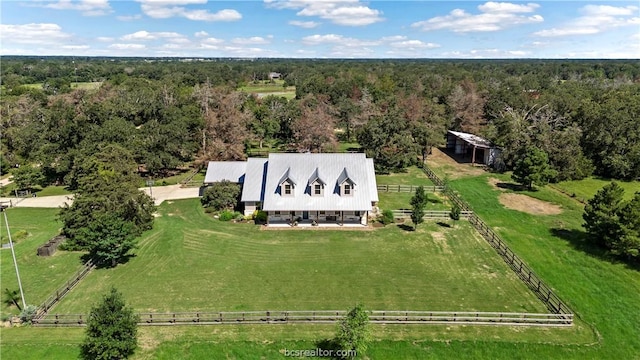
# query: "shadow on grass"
580,241
330,345
443,224
514,187
106,265
405,227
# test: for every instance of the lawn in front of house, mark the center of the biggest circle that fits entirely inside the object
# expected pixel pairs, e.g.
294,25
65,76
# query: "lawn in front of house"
191,261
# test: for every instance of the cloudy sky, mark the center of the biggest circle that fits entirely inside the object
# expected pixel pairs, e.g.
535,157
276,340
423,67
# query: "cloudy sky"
322,28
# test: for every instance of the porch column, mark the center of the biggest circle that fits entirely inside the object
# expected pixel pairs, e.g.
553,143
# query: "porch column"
473,157
342,217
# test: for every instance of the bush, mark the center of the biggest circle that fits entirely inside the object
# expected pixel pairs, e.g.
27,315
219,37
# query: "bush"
227,215
387,217
221,196
260,217
27,314
455,212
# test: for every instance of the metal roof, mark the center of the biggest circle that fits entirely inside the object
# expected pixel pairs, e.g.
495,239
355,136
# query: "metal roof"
254,179
303,166
474,140
233,171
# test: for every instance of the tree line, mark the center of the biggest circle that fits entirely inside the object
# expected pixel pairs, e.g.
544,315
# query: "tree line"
167,112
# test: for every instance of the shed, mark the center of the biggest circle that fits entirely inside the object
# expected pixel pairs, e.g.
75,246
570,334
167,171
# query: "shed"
478,148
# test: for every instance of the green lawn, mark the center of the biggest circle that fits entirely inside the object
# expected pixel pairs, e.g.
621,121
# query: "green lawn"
413,176
265,88
191,261
601,290
398,201
41,276
585,189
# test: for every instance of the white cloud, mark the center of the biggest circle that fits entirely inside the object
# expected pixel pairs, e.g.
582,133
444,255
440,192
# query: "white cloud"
129,17
413,45
164,9
340,12
304,24
105,38
75,47
487,54
87,7
127,46
147,36
41,33
212,41
255,40
493,16
595,19
338,39
201,34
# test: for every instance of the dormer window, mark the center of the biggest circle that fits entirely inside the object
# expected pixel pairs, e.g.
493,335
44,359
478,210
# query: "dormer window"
346,190
316,184
287,184
345,183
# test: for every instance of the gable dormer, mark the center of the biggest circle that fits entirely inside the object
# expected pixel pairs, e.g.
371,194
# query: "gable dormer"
345,183
316,184
287,184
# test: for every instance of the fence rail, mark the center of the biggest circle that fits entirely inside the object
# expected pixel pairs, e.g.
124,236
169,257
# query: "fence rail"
328,316
408,188
430,214
522,270
44,308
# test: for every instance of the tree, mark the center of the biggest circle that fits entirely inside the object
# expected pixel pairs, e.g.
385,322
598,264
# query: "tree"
27,176
613,223
110,238
418,203
222,195
112,330
533,168
107,203
455,212
353,333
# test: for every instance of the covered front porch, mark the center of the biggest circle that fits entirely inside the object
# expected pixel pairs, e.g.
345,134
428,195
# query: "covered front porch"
317,218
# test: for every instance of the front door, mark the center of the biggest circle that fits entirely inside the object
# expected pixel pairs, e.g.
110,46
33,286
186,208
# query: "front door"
305,215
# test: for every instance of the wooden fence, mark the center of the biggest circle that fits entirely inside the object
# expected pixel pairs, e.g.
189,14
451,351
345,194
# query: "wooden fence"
430,214
188,181
329,316
408,188
44,308
522,270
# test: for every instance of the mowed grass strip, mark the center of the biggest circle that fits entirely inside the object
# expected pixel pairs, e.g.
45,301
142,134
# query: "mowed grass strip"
412,176
40,276
192,262
602,290
585,189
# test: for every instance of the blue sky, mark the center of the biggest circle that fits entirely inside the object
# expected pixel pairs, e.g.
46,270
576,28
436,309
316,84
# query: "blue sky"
322,28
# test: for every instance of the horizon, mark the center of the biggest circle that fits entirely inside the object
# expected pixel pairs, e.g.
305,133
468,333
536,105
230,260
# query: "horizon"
327,29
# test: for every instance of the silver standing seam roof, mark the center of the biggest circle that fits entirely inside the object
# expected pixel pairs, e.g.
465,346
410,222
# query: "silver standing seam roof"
233,171
333,167
254,179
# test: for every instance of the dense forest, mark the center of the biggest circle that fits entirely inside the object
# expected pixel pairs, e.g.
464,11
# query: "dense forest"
169,113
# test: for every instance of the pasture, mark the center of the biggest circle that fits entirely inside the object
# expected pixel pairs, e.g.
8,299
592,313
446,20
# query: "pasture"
190,262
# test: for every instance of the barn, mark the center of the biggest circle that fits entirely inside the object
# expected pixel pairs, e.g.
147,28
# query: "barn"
475,148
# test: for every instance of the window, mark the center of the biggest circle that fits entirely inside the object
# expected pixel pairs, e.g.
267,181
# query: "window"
347,189
287,189
337,213
277,213
322,212
357,213
317,189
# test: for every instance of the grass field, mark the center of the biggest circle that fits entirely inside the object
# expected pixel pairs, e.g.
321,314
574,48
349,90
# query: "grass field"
40,275
74,85
399,201
413,176
193,262
265,88
585,189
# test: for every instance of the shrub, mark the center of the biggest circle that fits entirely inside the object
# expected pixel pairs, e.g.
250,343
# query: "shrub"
387,217
221,196
27,314
227,215
260,217
455,212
